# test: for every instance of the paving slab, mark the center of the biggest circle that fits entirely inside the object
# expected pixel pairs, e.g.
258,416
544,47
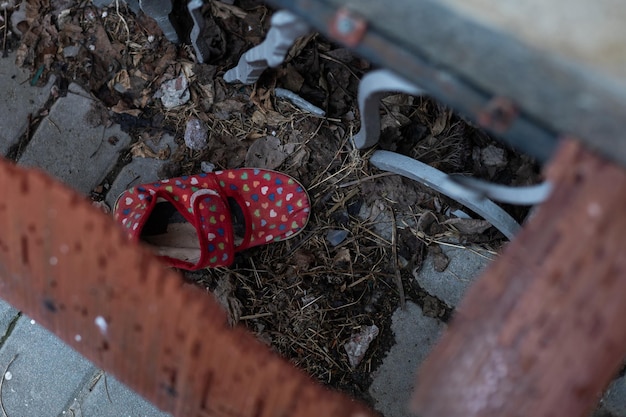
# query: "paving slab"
110,398
44,376
613,403
69,148
139,171
450,285
19,99
394,380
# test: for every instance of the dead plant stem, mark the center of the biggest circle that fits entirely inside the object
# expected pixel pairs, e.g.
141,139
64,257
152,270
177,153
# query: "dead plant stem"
394,251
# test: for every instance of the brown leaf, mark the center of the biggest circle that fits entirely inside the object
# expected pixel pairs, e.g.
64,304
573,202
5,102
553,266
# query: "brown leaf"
224,10
262,98
122,108
141,150
468,226
440,124
342,257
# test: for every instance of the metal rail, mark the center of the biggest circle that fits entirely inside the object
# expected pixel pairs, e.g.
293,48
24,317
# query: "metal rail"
524,96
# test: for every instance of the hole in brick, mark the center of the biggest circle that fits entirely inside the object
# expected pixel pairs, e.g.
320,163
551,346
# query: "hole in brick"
195,349
50,306
102,262
24,245
24,186
170,390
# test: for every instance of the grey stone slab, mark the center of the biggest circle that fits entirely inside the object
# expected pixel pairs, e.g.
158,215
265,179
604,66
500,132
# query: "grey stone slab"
18,100
69,148
613,403
45,375
394,380
111,398
450,285
8,314
139,171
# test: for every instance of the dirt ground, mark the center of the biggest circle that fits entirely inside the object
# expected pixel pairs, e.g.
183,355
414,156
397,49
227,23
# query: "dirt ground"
369,231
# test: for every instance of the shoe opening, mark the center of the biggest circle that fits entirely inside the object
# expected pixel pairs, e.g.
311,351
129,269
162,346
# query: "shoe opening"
170,234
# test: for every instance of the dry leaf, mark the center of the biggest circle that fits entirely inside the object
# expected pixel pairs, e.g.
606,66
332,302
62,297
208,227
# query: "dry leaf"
468,226
441,123
262,98
141,150
342,256
122,108
224,10
121,82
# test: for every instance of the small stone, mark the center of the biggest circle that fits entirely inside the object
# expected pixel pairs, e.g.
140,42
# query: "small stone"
493,157
207,167
335,237
196,134
8,376
71,51
356,348
174,93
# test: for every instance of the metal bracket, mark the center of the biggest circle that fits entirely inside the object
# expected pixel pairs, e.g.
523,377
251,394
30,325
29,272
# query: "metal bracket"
441,182
285,29
160,11
373,87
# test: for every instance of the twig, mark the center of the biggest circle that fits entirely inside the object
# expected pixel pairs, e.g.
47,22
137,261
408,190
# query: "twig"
255,316
4,412
371,177
117,10
394,250
311,302
4,39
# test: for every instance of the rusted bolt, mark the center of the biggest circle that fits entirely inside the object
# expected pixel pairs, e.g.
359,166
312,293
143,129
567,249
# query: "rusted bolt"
498,115
347,28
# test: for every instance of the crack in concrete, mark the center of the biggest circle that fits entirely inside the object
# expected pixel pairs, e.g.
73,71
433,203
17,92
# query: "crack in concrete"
10,328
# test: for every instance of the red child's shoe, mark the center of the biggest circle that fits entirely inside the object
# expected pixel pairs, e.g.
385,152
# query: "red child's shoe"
200,221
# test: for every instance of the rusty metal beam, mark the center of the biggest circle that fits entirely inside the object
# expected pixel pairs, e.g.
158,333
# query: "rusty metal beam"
540,333
68,266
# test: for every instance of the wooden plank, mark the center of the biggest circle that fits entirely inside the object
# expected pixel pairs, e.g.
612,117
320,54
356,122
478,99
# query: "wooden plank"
541,333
